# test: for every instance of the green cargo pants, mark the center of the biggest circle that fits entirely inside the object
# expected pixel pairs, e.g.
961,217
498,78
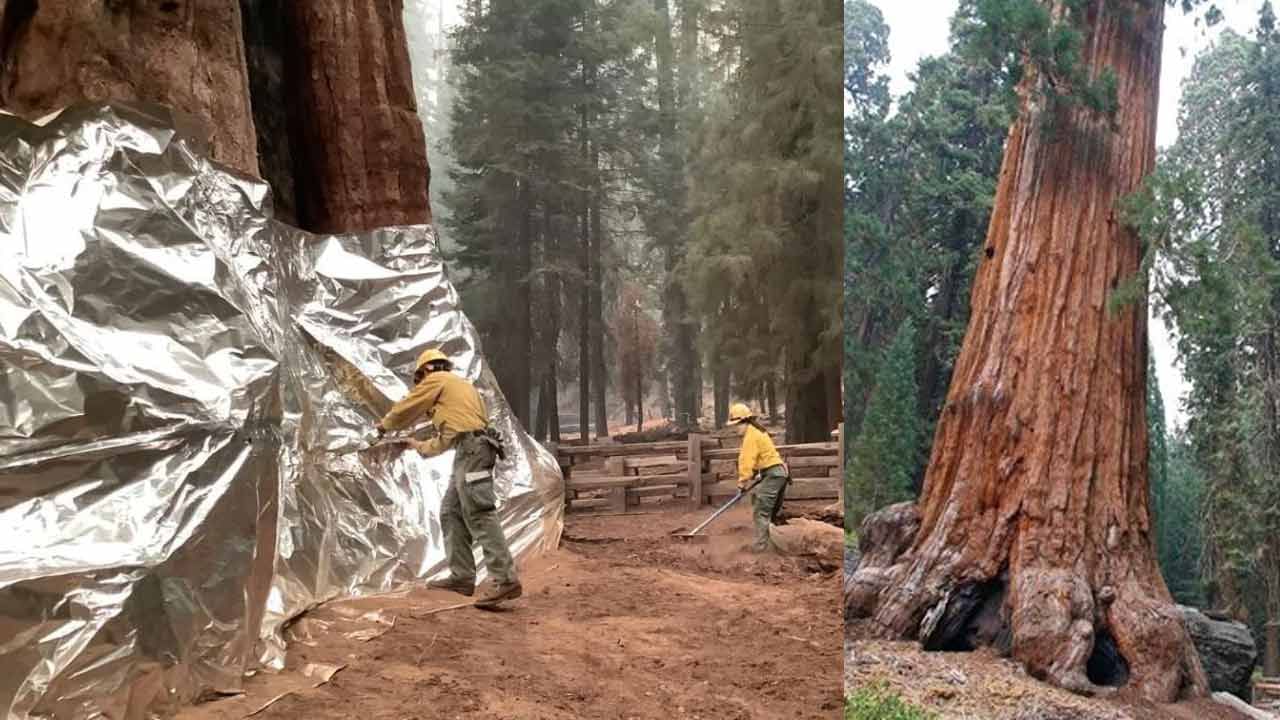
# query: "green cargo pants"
766,501
469,514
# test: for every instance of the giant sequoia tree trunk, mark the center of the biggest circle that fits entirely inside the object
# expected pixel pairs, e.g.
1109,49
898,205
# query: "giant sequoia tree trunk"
185,54
1035,499
359,150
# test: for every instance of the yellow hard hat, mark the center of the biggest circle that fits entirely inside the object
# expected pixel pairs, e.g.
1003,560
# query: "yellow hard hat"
429,356
739,412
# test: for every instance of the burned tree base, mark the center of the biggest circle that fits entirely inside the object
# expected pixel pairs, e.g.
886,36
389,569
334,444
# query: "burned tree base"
1063,629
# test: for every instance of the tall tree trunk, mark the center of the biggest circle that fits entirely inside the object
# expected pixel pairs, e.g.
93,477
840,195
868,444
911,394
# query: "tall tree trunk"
186,54
552,341
360,154
1035,498
945,308
598,369
554,410
690,10
597,302
771,397
584,325
721,389
858,396
665,405
687,104
584,268
540,427
542,332
680,330
808,414
812,358
639,402
521,386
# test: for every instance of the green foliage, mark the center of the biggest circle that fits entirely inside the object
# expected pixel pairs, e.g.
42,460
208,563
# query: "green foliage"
1024,36
1209,216
919,190
1179,525
886,455
1176,492
877,702
764,194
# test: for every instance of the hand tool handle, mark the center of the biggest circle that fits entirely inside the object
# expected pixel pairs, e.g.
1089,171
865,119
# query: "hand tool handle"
726,506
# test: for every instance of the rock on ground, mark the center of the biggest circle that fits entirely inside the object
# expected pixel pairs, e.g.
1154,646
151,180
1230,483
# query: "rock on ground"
1227,651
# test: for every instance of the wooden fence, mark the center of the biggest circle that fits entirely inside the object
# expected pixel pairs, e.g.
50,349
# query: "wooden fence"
702,470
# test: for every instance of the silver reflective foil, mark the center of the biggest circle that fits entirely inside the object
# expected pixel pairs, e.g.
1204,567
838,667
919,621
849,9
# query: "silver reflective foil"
187,395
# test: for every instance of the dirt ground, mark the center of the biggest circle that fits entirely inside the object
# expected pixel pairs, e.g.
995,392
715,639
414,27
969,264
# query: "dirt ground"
623,621
982,686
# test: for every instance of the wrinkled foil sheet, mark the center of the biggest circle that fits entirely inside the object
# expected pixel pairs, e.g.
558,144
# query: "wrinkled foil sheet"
187,395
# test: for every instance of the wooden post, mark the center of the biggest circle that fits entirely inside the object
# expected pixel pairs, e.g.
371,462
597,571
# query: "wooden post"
614,467
695,470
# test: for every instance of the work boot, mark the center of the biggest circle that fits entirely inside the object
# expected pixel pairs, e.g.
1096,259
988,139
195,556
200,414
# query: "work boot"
460,586
505,591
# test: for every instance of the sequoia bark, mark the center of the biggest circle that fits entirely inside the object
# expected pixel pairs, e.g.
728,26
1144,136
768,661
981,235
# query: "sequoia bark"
358,146
1036,491
185,54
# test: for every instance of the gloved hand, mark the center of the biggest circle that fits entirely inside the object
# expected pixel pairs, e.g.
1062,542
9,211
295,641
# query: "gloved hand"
381,430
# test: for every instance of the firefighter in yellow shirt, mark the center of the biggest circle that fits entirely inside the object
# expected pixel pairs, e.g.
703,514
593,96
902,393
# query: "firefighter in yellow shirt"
468,513
758,455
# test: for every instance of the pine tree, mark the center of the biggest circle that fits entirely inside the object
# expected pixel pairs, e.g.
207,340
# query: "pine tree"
921,184
1211,214
539,160
765,248
878,278
886,454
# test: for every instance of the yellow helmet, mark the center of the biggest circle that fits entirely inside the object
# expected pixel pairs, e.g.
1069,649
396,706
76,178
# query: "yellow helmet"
429,356
738,412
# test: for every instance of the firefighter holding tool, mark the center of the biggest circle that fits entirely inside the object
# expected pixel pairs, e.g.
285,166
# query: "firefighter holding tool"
469,510
758,455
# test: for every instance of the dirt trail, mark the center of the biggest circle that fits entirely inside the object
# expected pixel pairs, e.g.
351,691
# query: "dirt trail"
982,686
622,622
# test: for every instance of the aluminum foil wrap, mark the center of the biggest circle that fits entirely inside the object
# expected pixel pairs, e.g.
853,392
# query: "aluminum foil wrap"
187,395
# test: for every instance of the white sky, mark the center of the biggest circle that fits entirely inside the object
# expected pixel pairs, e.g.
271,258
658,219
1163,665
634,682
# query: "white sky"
915,33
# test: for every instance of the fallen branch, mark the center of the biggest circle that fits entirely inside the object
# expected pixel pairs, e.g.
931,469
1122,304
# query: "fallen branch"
446,608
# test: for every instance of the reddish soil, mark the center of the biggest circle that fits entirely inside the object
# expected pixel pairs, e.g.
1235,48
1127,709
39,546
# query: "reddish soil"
623,621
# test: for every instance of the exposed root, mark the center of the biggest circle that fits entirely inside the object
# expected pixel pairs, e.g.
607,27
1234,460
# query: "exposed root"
1063,630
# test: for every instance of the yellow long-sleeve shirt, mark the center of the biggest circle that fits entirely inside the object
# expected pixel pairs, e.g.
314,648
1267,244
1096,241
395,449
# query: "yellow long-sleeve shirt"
757,453
453,404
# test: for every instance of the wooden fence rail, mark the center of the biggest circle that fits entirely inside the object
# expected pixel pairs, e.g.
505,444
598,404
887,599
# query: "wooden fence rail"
700,471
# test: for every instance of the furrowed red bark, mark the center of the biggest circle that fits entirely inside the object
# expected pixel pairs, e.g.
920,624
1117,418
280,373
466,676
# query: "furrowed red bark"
358,145
1036,490
185,54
